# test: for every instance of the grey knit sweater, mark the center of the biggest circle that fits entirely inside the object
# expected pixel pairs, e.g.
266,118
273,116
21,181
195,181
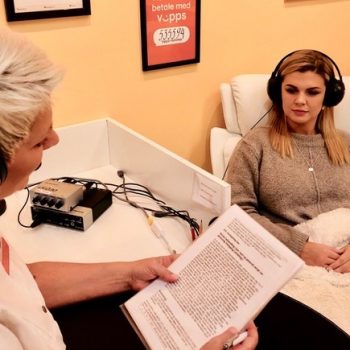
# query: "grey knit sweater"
280,193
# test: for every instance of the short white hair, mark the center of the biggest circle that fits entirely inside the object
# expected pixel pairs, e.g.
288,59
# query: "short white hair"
27,78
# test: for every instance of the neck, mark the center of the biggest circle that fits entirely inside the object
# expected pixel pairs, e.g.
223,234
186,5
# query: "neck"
302,130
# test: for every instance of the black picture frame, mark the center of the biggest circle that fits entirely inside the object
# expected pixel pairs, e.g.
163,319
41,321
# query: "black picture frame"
13,15
146,43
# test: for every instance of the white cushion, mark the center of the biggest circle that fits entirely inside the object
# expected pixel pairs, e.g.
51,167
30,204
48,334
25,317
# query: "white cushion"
342,110
250,98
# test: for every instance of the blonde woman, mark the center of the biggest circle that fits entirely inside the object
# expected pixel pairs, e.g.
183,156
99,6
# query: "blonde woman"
297,166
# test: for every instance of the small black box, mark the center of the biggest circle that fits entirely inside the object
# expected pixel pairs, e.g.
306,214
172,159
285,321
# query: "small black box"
98,199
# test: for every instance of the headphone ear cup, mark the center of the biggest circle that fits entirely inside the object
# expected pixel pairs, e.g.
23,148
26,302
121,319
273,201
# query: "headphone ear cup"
2,206
3,169
335,91
274,89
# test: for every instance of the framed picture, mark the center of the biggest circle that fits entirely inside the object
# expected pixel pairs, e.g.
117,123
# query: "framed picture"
170,33
19,10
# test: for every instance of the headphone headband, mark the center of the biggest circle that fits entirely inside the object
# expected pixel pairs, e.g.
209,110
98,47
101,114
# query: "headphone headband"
335,88
276,70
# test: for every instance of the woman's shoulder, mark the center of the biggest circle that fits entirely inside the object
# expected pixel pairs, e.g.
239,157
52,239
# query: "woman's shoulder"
255,140
258,135
346,136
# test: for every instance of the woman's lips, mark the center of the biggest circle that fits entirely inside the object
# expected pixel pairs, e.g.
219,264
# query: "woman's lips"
299,112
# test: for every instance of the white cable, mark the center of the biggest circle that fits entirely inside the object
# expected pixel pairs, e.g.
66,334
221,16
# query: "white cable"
159,233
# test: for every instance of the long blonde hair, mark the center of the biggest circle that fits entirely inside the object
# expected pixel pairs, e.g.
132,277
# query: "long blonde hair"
303,61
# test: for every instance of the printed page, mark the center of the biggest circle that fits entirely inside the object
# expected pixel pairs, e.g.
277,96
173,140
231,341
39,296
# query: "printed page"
225,278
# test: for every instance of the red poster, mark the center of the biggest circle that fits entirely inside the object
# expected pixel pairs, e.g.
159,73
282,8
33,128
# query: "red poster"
170,32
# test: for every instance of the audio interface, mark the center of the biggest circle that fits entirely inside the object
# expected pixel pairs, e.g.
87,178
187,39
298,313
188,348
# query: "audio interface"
63,196
95,201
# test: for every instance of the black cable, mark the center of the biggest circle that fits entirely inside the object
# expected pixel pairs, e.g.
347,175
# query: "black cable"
259,120
34,222
166,210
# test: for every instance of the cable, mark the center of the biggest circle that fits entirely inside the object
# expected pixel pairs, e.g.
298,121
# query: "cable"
259,120
132,203
165,209
155,227
158,231
35,222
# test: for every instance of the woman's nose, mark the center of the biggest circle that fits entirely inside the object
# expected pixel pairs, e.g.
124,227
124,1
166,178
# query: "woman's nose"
300,98
51,140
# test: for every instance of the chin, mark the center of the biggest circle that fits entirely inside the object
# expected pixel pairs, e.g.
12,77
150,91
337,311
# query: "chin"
23,184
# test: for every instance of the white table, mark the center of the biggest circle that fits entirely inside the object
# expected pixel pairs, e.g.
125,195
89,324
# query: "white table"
122,232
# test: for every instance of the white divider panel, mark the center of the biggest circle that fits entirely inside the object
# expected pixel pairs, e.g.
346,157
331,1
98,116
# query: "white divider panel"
175,179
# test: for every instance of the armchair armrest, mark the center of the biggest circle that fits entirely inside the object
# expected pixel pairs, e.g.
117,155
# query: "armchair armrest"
222,143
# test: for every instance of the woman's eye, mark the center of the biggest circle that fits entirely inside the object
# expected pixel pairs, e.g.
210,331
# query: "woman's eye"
313,92
291,90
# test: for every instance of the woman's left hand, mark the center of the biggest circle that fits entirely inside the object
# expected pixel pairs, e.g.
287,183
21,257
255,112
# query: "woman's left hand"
143,272
342,264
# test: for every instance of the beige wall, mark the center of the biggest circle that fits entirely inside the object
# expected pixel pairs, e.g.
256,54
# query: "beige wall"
176,107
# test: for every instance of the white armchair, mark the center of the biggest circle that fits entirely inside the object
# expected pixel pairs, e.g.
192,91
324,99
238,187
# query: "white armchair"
244,101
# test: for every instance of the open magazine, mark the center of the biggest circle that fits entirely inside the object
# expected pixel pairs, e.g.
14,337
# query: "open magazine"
225,279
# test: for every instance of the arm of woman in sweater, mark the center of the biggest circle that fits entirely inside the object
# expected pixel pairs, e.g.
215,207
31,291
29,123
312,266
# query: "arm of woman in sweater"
244,176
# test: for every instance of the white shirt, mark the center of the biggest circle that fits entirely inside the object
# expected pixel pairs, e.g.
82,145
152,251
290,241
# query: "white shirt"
25,322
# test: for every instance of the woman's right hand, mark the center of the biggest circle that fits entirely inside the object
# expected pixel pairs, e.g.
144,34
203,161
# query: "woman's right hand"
249,343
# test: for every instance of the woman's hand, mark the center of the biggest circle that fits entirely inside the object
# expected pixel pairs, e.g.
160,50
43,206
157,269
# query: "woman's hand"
317,254
144,271
342,264
218,342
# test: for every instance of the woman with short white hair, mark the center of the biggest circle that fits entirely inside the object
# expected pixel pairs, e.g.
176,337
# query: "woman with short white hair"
27,79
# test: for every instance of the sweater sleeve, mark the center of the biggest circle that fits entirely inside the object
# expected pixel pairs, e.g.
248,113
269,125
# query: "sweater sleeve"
243,175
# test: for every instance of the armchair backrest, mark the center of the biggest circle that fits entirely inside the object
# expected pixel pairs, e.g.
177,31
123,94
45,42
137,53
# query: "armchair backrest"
245,100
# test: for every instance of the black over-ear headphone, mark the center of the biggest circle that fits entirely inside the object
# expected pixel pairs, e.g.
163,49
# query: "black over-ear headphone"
335,88
3,168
